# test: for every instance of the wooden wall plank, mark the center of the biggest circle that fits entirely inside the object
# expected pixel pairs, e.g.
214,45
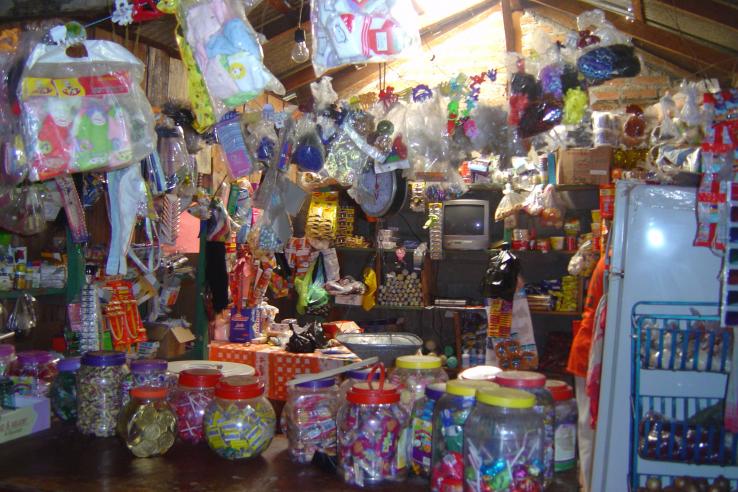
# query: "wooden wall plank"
177,80
157,75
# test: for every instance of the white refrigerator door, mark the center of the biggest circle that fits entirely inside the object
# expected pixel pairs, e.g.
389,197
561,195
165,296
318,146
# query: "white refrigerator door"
653,260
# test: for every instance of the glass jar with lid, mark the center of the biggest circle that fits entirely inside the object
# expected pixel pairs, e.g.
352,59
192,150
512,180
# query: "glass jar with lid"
535,383
147,425
240,422
449,417
310,419
144,372
372,428
412,373
98,392
63,391
34,371
421,430
565,425
504,437
7,356
194,392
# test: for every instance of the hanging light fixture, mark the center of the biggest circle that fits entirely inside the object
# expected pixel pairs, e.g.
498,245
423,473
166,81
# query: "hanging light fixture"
300,52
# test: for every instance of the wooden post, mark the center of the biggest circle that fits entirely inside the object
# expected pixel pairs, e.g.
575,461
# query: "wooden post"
511,24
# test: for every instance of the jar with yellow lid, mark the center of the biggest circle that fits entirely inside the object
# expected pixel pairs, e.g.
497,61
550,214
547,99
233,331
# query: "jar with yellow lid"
449,417
413,373
504,441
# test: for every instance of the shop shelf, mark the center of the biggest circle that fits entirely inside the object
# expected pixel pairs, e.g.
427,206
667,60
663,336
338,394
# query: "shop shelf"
541,312
14,294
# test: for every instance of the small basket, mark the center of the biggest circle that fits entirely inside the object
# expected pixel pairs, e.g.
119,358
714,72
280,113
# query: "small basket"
386,346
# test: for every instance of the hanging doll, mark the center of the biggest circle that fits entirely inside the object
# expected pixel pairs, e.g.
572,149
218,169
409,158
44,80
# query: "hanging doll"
53,145
92,146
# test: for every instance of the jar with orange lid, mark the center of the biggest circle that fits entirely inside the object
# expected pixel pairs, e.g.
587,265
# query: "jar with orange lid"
146,424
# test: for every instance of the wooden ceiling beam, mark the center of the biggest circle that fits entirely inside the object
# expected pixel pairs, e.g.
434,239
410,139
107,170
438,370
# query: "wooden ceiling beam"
707,9
639,13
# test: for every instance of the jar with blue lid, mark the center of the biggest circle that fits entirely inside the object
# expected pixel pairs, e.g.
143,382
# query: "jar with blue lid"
421,429
63,391
144,372
310,419
98,392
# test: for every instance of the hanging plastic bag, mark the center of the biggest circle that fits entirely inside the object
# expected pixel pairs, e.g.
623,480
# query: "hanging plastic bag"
501,276
309,153
609,62
511,203
349,32
533,203
24,212
13,162
22,320
84,113
552,214
230,138
317,296
584,261
227,51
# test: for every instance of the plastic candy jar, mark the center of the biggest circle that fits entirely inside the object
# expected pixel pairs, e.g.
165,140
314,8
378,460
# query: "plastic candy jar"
421,429
98,392
189,400
63,391
240,422
449,417
353,377
482,373
565,425
371,429
7,356
7,396
147,424
144,372
413,373
504,436
310,415
35,370
535,383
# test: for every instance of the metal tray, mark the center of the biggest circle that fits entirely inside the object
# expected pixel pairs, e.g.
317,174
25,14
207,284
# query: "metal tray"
386,346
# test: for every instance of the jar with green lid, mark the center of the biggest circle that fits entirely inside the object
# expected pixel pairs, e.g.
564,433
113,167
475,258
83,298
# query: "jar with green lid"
63,391
412,373
421,430
449,417
98,392
146,424
535,383
503,443
240,422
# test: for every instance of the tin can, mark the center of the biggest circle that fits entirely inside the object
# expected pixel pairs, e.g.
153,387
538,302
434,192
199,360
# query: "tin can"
571,243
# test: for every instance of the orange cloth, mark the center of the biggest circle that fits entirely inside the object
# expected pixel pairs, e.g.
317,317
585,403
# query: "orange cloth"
579,353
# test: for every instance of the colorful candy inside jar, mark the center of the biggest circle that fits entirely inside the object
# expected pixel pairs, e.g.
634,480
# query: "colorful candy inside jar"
63,391
144,372
371,429
502,449
240,422
189,400
146,424
98,392
34,371
310,415
449,417
421,429
413,373
353,377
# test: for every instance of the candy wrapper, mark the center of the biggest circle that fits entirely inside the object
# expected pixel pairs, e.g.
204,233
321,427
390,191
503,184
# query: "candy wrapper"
348,32
84,113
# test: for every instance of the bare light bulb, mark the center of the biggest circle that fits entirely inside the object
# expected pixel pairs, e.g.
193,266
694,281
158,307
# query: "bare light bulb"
300,52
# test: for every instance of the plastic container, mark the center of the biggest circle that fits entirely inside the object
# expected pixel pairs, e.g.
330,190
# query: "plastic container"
310,417
7,356
480,373
35,370
63,391
535,383
565,425
144,372
449,417
351,378
371,433
98,392
7,396
194,393
147,425
413,373
504,436
421,430
240,422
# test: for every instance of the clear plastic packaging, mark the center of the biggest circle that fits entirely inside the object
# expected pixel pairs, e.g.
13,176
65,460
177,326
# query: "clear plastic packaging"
412,373
189,400
512,202
228,133
144,372
35,370
346,32
419,444
146,424
63,391
504,438
310,415
84,114
565,425
552,214
309,153
98,392
240,422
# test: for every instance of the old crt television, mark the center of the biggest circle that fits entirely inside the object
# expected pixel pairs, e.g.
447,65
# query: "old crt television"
466,224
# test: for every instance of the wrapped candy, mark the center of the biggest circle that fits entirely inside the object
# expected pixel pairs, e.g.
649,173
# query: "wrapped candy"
609,62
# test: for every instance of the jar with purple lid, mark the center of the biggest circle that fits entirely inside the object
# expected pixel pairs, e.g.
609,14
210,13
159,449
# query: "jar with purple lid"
63,391
310,419
34,371
7,356
144,372
98,392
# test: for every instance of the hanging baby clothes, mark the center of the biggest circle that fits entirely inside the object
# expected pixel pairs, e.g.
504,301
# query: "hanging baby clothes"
127,197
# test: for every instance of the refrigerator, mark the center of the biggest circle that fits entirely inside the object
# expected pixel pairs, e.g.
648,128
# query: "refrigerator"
658,283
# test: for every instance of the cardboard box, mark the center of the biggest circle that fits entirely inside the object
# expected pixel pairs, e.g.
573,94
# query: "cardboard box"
584,166
32,415
172,341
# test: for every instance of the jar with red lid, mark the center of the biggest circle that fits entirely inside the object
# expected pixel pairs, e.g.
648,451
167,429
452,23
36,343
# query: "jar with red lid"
34,371
144,372
372,430
535,383
565,425
240,422
146,424
194,392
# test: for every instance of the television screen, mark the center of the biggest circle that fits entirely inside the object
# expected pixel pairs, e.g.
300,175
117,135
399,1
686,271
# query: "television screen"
463,220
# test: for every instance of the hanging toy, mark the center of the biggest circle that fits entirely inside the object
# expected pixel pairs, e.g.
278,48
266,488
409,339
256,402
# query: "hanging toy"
146,10
122,13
